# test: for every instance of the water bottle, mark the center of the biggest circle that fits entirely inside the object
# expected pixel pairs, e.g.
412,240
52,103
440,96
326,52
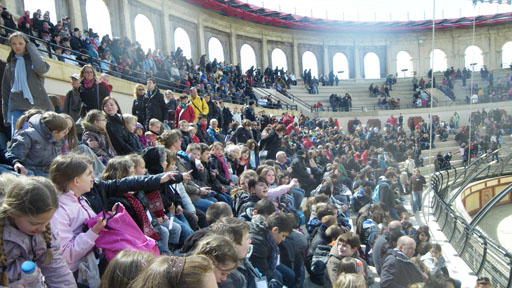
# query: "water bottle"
31,275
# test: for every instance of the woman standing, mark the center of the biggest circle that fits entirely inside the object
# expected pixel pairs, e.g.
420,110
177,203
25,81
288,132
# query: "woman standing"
23,80
138,108
91,92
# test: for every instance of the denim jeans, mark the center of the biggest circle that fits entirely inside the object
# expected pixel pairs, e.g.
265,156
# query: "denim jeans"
298,196
417,199
285,275
185,227
203,204
168,237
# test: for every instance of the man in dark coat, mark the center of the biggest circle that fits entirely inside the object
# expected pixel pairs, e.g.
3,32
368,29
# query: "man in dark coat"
213,112
154,103
272,142
386,194
227,117
249,111
398,271
381,240
307,180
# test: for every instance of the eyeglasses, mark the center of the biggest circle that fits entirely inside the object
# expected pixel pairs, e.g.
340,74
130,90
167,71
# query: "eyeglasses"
483,279
140,89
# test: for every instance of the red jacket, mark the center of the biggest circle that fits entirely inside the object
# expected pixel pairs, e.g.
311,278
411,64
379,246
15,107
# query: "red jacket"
290,128
189,114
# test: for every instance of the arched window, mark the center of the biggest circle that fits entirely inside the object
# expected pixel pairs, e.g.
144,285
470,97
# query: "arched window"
473,57
144,33
248,57
182,41
279,59
215,50
506,55
309,62
438,61
403,61
98,17
340,66
48,5
371,66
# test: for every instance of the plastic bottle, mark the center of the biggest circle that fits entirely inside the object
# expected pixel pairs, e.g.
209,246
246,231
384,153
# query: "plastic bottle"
31,275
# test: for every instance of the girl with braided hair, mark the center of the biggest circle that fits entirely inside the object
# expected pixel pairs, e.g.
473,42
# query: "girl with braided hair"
25,233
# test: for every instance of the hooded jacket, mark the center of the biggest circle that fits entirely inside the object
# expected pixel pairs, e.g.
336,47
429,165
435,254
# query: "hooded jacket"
20,247
36,147
333,264
94,133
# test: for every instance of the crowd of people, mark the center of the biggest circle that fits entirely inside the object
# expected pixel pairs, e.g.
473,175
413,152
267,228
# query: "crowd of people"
185,193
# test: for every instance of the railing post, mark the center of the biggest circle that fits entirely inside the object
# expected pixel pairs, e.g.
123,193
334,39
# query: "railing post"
484,255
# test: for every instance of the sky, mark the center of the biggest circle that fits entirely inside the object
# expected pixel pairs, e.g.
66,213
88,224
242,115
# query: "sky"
383,10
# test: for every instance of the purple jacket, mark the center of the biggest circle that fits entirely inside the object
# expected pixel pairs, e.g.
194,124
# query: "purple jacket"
20,247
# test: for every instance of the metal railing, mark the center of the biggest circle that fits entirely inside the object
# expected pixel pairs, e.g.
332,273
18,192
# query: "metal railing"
482,254
139,77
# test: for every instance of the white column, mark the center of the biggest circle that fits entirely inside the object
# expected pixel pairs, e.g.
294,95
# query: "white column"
168,35
326,59
296,68
200,35
264,53
234,48
75,12
357,63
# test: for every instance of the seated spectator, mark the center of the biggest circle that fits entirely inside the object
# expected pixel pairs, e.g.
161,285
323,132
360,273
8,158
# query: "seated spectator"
154,130
95,135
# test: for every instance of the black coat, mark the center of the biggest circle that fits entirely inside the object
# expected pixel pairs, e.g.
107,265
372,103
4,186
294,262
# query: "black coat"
215,164
398,271
241,135
101,191
139,110
271,143
119,136
92,97
227,118
155,106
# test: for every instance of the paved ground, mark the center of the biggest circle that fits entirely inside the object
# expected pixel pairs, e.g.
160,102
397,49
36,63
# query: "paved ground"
497,225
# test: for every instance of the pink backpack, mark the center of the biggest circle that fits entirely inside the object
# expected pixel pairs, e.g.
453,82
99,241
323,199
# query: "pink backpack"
121,233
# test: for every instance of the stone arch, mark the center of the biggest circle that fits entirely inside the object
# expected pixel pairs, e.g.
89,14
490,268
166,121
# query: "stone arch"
215,50
182,41
473,56
279,59
506,54
371,66
339,64
438,60
144,32
247,57
98,17
404,61
309,61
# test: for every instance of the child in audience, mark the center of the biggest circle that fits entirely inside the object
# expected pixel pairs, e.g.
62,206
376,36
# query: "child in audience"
38,145
350,280
422,235
96,136
73,176
116,127
351,265
218,211
125,267
167,203
434,260
258,190
347,245
192,130
139,131
222,253
170,271
266,236
154,130
237,231
29,204
130,124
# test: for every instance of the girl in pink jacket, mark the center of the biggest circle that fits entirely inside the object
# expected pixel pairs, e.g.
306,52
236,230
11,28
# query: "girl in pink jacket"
29,204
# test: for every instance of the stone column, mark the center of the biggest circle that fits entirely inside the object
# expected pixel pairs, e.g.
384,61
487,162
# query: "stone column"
75,13
234,49
296,68
126,26
357,63
200,35
326,60
492,60
12,7
264,53
167,43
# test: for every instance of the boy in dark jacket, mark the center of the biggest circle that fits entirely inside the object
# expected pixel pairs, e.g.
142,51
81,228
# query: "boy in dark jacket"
266,236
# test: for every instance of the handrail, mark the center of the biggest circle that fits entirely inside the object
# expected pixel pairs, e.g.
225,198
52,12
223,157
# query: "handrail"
481,253
275,99
175,86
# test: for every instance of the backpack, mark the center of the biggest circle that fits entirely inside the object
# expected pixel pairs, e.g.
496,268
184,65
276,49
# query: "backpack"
376,192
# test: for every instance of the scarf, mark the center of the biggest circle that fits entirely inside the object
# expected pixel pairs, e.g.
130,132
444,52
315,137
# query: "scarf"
183,105
88,83
20,79
224,166
147,228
